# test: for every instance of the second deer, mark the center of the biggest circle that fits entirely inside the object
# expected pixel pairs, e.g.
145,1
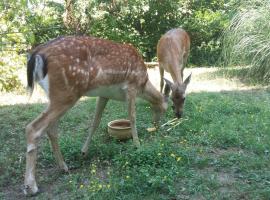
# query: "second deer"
172,52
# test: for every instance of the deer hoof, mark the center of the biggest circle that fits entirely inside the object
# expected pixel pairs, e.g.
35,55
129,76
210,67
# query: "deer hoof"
30,191
64,167
84,153
137,143
84,150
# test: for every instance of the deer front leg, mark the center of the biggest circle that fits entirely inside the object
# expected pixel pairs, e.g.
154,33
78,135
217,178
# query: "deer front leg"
131,98
100,105
53,137
161,72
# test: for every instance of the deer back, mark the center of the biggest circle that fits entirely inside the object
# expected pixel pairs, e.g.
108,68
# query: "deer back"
172,51
79,64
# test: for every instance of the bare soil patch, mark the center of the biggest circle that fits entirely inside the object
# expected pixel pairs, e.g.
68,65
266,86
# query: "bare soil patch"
203,79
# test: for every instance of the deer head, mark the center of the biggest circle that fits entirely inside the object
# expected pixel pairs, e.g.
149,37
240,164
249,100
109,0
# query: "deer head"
178,95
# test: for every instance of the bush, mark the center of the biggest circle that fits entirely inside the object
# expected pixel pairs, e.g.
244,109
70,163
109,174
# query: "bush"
143,22
10,63
140,23
247,39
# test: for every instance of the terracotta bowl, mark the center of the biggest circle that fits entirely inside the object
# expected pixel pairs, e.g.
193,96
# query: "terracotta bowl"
120,129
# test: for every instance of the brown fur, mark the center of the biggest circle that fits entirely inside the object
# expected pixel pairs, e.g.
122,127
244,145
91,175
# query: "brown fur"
172,52
79,66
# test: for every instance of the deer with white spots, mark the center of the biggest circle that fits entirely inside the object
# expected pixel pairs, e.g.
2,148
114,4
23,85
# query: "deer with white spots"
172,52
70,67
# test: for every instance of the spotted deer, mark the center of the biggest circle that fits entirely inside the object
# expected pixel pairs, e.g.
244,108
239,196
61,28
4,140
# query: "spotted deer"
172,52
70,67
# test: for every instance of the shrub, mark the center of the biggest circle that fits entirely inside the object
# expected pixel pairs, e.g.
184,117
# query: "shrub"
9,67
247,39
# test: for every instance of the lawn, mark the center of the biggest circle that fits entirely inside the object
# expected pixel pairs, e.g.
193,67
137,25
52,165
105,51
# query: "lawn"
220,151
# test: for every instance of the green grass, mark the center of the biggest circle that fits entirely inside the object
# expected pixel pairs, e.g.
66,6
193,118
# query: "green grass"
220,152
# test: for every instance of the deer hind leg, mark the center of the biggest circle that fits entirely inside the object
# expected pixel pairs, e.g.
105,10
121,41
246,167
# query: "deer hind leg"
184,64
100,105
161,72
53,137
131,98
33,133
185,59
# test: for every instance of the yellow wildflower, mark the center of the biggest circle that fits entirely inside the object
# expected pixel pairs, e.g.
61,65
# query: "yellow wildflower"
172,155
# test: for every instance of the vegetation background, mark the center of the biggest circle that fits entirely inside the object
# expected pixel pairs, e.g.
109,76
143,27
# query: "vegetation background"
26,23
223,32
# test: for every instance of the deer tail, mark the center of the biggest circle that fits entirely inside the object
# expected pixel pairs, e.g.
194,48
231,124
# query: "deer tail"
36,70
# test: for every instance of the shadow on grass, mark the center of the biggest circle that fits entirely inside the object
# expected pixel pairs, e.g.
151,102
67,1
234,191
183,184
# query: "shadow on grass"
215,120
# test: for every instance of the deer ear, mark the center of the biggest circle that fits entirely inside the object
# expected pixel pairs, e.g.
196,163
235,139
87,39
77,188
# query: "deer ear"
168,87
186,82
169,83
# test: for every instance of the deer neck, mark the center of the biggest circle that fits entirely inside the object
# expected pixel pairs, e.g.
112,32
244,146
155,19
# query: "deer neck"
176,76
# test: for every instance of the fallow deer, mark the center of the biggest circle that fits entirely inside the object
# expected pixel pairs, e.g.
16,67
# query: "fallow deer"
70,67
172,52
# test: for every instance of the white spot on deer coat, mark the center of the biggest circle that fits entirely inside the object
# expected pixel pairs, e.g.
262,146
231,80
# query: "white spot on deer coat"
65,77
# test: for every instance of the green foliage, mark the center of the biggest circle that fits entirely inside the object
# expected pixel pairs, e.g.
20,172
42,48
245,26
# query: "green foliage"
44,24
143,22
247,40
138,22
9,74
25,24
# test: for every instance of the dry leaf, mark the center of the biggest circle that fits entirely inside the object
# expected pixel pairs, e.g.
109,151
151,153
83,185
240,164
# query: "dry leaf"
151,129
